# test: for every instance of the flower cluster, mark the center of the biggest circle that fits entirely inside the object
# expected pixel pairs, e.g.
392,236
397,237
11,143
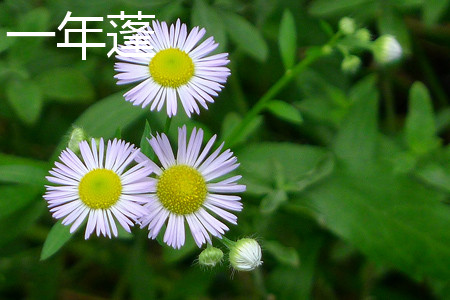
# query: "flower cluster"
113,182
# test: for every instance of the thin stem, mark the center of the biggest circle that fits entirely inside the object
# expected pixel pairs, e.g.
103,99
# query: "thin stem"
236,134
226,242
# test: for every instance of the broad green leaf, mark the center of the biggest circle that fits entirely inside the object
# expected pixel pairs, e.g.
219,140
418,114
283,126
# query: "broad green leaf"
287,40
25,97
146,149
272,201
392,219
259,165
23,174
420,128
285,255
285,111
392,23
246,36
66,85
207,17
433,10
6,159
15,197
58,236
356,139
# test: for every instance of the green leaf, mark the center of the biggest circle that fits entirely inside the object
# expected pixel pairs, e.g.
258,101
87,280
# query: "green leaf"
259,165
420,128
23,174
272,201
172,255
146,149
58,236
25,97
355,142
433,10
66,85
15,197
392,23
392,219
287,39
5,41
285,255
207,17
285,111
246,36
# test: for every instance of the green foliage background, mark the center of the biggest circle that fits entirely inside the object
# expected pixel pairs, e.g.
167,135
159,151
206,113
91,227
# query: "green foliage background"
348,176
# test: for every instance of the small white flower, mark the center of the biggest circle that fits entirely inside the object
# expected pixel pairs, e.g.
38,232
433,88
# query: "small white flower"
99,186
184,190
245,255
175,68
387,49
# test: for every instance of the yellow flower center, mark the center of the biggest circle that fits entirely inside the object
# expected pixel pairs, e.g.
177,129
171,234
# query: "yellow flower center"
171,68
100,188
181,189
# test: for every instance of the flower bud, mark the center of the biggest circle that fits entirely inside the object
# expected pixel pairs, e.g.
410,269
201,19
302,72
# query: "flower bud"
386,49
76,136
245,255
351,64
347,26
363,35
210,257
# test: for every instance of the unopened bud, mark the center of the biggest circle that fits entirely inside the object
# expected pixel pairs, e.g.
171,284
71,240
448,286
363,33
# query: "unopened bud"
210,257
76,136
351,64
347,26
245,255
363,35
387,49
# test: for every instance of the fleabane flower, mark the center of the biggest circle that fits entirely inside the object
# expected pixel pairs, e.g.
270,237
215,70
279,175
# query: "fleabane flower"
175,68
185,190
102,186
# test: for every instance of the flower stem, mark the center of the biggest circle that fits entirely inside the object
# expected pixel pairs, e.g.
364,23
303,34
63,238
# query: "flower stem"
227,243
290,74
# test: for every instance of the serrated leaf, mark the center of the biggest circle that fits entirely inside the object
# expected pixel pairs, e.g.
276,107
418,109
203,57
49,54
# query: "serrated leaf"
66,85
25,97
285,111
58,236
420,128
207,17
285,255
287,40
246,36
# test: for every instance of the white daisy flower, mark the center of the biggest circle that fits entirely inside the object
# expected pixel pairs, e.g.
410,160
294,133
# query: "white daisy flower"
99,186
176,68
184,190
245,255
